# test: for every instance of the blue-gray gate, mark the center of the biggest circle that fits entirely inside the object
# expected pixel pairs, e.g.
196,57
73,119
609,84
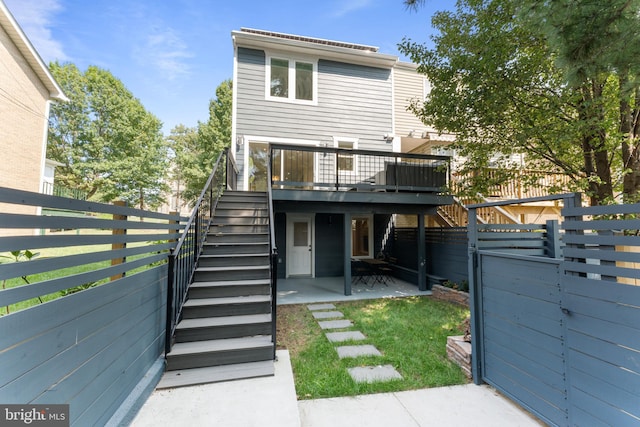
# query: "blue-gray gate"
561,336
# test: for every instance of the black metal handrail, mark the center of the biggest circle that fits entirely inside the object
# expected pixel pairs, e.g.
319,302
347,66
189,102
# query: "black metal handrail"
330,168
184,257
273,258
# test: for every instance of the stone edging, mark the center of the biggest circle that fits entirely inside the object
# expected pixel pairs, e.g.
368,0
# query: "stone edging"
459,352
443,293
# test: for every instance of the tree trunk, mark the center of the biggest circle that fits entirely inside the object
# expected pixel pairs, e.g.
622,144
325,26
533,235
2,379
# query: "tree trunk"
596,158
629,128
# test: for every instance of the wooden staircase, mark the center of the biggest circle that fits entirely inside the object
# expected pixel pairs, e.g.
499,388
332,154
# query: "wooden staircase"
226,325
457,214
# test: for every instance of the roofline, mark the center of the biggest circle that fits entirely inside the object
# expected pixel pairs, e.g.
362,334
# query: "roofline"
324,48
22,43
407,65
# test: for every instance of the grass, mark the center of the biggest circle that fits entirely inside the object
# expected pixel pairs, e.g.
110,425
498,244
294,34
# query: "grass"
69,271
411,334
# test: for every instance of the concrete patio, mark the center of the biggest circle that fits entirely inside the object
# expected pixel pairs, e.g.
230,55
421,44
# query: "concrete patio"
331,289
271,402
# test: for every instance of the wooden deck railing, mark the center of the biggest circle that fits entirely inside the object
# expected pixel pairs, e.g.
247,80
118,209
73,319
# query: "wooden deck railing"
527,183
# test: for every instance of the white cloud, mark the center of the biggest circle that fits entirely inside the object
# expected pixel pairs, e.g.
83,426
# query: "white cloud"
349,6
36,17
166,51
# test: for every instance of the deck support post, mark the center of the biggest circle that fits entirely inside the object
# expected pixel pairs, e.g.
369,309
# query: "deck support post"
422,255
347,254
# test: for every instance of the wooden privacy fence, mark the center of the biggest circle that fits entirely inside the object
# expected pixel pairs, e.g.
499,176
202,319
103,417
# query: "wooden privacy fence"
561,335
83,304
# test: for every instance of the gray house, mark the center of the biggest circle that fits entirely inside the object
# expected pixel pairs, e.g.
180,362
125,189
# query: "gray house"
321,116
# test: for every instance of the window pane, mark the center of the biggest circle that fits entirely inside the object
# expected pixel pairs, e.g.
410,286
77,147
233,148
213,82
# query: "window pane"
304,81
280,78
345,161
258,155
360,237
300,234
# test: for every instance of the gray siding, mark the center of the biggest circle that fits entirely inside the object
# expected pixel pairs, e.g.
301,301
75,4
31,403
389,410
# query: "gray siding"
354,101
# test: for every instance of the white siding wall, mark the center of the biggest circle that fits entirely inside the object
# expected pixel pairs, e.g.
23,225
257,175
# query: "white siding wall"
408,85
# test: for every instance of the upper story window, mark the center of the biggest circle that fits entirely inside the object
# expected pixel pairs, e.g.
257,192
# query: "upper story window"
291,80
346,161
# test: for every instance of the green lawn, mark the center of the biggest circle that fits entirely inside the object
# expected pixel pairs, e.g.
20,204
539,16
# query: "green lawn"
411,334
62,252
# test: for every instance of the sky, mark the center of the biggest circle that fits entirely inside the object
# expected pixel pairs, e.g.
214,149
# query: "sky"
172,54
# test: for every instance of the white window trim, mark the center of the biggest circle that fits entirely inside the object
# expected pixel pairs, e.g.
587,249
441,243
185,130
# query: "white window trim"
292,80
369,217
354,142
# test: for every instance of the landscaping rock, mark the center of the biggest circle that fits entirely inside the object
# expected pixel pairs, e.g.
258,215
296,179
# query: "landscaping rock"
451,295
459,352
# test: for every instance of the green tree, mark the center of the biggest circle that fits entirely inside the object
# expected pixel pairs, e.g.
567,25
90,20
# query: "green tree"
500,84
197,149
111,147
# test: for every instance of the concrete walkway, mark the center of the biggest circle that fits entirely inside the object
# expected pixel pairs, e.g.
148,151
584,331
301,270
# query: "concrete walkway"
271,402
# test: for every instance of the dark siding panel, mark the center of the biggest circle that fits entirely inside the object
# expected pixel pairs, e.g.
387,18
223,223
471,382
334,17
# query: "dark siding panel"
446,251
448,260
329,245
93,347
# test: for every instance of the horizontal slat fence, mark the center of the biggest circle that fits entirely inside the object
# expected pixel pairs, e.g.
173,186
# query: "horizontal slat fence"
447,253
82,322
601,295
562,336
524,239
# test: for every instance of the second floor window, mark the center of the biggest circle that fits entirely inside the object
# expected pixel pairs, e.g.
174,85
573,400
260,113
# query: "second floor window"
291,80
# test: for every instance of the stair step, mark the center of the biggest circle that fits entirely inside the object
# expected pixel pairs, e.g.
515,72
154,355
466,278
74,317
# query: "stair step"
229,288
199,354
224,248
241,272
239,220
243,202
238,228
232,260
212,328
226,306
246,213
221,237
213,374
245,194
223,321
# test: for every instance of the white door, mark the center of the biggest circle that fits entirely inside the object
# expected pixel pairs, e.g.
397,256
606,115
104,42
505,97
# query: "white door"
300,245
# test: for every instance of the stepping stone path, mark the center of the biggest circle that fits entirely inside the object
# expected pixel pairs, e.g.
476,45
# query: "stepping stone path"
362,374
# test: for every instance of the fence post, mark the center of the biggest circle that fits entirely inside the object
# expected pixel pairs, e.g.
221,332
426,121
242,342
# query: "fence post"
475,299
176,222
553,239
115,245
